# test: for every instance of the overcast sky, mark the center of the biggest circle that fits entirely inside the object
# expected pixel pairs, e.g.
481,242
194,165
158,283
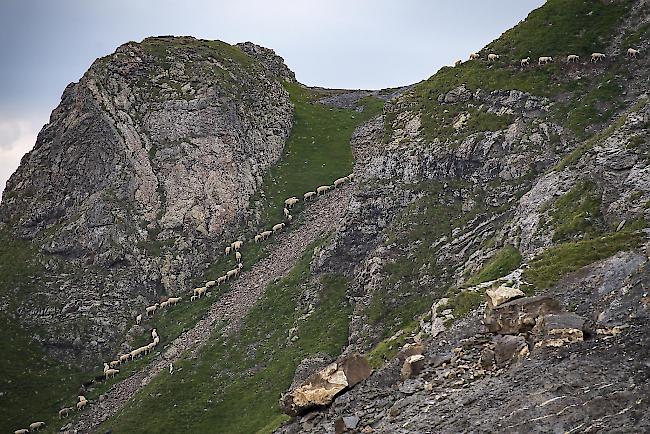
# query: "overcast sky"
369,44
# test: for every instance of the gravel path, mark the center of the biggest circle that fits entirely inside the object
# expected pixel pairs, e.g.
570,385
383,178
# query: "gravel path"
317,219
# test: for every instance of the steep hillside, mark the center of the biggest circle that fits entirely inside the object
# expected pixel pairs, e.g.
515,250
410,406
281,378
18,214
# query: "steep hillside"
488,255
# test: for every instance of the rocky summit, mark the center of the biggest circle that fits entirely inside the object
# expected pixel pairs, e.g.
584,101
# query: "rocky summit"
243,253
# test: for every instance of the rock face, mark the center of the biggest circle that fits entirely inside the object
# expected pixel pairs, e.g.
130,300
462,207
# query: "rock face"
143,169
320,388
519,315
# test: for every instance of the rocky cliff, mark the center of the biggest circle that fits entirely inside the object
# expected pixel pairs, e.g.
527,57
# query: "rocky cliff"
143,170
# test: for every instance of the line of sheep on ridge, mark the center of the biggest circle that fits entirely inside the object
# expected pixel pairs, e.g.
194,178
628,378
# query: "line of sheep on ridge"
544,60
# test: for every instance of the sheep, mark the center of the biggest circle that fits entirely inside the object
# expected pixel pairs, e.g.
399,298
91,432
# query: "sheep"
258,238
322,189
149,347
200,291
194,297
289,218
114,363
210,283
525,62
106,367
596,57
21,431
350,176
111,373
152,309
340,181
82,398
65,412
240,265
36,426
493,57
278,227
231,273
171,368
238,256
474,56
458,63
135,353
220,280
631,52
266,234
154,334
164,304
309,195
544,60
237,245
156,340
291,201
173,300
124,358
81,404
138,319
228,249
572,58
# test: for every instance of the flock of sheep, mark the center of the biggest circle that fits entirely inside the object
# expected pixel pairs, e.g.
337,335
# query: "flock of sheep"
110,368
543,60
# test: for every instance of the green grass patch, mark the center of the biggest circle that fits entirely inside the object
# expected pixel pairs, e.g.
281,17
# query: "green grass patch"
549,267
576,214
317,151
234,384
506,260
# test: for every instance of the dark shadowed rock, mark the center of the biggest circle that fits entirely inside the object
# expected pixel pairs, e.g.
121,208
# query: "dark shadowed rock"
560,329
509,348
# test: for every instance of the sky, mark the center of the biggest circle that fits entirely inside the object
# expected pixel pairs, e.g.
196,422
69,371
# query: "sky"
353,44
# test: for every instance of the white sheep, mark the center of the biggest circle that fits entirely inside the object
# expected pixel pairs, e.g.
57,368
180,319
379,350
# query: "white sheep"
237,245
309,195
289,218
525,62
114,363
544,60
232,273
82,398
173,300
238,256
154,334
135,353
631,52
493,57
278,227
149,347
458,63
474,56
221,280
194,297
322,189
156,340
200,291
111,373
36,426
164,304
350,176
21,431
138,319
340,181
258,238
124,358
266,234
291,201
81,404
572,58
65,412
151,309
106,367
210,283
227,251
596,57
285,212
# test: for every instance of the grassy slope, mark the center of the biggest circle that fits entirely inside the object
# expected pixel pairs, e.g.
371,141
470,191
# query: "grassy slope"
234,384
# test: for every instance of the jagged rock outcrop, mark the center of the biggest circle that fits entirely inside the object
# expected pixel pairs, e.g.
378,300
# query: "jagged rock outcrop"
142,172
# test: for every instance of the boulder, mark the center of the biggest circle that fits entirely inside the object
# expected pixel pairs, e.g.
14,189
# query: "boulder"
509,348
556,330
520,315
320,388
346,424
409,350
502,294
412,366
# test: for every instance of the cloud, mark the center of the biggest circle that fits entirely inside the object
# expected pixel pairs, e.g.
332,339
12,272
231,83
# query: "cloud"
17,137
